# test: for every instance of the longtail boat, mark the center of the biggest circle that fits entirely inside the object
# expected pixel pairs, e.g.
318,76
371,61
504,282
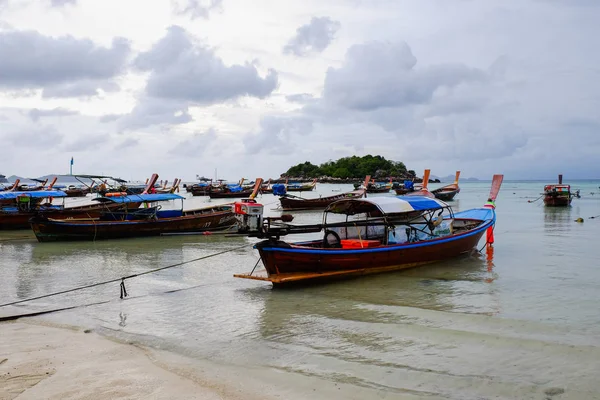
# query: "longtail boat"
291,187
291,202
421,190
448,192
558,195
231,191
302,187
374,187
379,234
136,222
17,208
149,220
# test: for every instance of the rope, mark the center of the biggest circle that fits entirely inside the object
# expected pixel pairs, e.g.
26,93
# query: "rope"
122,279
533,201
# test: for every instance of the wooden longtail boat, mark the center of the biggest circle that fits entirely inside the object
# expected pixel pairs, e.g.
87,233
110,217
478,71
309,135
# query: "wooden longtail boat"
292,187
558,195
422,190
447,193
19,207
147,221
290,202
380,234
301,187
26,205
137,222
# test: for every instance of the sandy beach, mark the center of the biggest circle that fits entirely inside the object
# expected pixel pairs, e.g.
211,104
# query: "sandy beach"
39,360
45,362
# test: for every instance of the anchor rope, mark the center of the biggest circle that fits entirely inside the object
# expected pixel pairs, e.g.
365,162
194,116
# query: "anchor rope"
122,279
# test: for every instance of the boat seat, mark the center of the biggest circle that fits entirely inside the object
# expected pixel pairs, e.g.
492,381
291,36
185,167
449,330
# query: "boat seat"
359,244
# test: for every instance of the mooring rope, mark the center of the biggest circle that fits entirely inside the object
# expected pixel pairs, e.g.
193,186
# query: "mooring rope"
533,201
122,279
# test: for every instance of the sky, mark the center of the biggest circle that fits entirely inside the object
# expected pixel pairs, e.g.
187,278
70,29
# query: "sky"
239,88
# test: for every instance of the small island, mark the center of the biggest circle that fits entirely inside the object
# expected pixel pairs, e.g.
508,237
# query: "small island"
350,170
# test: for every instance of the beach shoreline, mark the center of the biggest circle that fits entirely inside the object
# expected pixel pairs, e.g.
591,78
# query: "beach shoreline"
41,360
44,360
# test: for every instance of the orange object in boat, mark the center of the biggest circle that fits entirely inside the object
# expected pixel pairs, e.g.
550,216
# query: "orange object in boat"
359,244
116,194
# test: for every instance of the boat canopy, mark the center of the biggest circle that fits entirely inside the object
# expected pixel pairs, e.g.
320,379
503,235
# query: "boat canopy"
385,205
136,198
37,194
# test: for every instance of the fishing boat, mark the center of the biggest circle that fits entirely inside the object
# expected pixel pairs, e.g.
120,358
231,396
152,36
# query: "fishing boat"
134,221
376,187
302,187
558,195
371,235
448,192
421,190
291,187
17,208
149,220
291,202
230,191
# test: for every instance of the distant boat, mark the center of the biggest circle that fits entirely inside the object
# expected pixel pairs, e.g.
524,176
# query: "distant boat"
558,195
291,187
421,190
448,192
379,234
291,202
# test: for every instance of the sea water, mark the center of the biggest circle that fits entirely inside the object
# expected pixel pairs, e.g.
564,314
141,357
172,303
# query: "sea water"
520,320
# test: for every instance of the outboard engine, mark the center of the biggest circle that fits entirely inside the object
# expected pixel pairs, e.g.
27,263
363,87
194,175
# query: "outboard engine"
279,189
249,215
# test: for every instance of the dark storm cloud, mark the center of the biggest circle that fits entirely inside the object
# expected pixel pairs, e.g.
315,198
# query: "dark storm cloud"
378,74
195,8
183,70
62,66
313,37
35,114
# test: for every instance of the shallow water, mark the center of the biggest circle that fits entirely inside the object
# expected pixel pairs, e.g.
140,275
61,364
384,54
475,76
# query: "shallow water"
521,321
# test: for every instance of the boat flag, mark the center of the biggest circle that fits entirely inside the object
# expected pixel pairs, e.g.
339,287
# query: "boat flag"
71,160
71,167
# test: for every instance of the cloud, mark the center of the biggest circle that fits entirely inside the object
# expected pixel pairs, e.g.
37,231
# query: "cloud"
277,133
153,111
87,142
85,89
196,8
63,66
109,118
302,98
35,114
183,70
197,145
62,3
35,137
313,37
378,74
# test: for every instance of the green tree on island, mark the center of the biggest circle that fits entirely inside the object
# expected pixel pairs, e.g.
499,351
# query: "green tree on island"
351,167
